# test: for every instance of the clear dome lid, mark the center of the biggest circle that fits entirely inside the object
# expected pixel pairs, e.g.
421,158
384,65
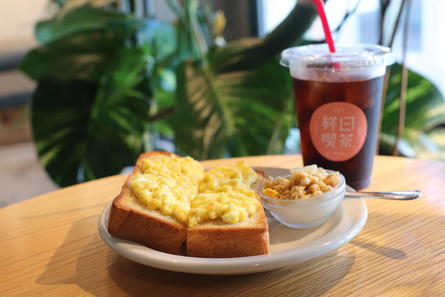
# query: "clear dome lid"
346,56
348,63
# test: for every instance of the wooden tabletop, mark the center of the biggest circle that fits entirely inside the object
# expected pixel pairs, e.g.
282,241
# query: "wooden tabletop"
50,246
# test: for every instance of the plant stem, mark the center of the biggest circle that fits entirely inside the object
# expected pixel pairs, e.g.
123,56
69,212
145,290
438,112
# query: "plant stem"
388,72
162,114
191,42
382,107
404,83
396,24
131,6
383,9
402,110
195,29
347,15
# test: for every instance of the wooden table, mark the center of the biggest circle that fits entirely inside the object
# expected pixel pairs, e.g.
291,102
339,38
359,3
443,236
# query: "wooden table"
49,246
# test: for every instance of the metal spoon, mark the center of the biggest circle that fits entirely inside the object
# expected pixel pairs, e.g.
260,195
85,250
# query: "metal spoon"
394,195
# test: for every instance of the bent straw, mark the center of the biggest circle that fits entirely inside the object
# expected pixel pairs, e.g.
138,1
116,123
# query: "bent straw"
324,22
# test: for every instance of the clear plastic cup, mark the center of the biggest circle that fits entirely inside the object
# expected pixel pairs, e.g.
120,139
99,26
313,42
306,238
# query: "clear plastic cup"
337,99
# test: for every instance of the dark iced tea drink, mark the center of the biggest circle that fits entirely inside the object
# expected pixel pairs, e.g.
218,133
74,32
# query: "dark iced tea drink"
340,145
337,100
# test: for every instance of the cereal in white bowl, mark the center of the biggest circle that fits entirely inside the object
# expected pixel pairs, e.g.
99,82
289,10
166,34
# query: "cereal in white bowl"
305,198
304,182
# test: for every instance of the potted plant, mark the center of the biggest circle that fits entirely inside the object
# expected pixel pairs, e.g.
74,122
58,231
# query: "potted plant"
109,81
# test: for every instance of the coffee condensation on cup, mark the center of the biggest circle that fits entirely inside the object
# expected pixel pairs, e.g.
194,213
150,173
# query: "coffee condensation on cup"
337,99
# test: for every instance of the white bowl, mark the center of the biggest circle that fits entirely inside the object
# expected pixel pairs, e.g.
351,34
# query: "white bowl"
305,212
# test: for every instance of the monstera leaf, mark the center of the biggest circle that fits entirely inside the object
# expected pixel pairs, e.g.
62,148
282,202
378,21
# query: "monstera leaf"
236,113
84,18
237,99
424,102
85,130
288,32
90,112
82,56
85,54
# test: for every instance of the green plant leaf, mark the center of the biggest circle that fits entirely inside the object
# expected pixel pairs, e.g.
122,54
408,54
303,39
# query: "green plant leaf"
84,18
425,104
191,42
86,129
227,55
100,86
165,100
425,110
160,37
289,31
235,113
82,56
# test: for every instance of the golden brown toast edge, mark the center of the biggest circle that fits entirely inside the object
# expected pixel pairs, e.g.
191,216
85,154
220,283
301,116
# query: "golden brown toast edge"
151,231
210,242
225,241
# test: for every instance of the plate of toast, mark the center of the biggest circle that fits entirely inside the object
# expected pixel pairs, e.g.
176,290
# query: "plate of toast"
225,230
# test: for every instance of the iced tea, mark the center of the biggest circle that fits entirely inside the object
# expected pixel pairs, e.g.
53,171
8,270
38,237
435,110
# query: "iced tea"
337,99
338,146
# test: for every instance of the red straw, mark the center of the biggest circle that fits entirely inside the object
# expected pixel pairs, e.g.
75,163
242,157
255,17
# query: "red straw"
324,21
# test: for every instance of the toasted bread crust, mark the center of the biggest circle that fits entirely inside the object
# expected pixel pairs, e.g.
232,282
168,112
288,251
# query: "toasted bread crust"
220,240
132,221
149,228
247,238
150,155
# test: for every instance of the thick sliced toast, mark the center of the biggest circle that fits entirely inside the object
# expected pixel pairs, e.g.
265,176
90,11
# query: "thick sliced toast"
219,240
129,219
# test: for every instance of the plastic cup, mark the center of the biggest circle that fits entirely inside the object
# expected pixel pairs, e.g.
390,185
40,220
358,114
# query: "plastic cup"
337,99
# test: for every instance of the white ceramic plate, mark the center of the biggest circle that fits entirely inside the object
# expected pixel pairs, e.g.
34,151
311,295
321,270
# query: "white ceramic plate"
287,246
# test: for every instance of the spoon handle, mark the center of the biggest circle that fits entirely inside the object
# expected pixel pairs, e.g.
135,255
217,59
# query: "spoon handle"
394,195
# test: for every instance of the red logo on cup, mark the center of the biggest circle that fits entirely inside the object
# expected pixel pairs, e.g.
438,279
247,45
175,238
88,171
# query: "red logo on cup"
338,130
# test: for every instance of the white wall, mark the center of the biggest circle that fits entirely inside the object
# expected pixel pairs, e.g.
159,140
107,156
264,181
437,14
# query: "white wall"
17,18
